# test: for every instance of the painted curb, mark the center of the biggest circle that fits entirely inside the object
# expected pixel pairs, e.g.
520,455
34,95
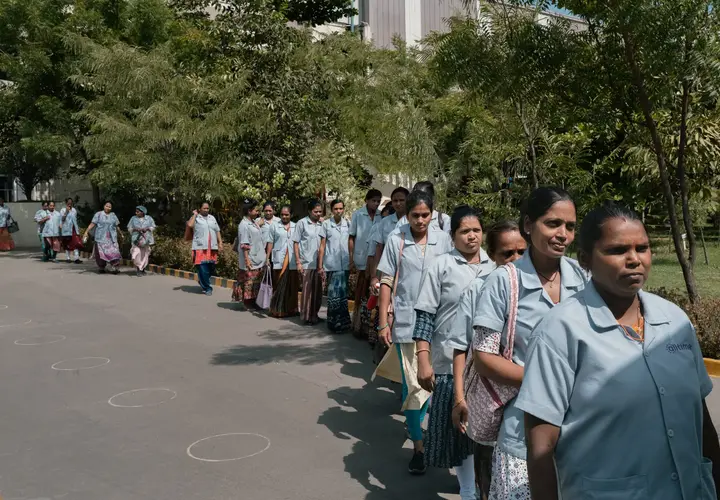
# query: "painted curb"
712,366
187,275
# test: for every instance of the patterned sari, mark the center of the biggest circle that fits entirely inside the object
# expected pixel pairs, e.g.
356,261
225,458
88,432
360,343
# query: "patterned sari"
284,301
338,317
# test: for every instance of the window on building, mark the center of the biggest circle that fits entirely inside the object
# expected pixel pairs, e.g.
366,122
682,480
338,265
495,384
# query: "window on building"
6,188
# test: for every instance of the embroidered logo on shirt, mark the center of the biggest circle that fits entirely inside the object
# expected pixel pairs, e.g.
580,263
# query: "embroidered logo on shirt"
672,348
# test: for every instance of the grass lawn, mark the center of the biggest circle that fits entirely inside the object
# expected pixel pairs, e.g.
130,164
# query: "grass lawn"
666,271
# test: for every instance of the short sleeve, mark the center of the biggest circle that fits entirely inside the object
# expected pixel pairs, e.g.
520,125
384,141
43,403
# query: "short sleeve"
462,330
547,383
116,221
152,222
130,224
492,302
96,218
706,385
353,224
298,233
243,234
430,287
215,225
388,261
270,234
322,233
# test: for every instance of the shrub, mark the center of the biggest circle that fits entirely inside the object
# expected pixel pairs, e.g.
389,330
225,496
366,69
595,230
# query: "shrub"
174,253
703,316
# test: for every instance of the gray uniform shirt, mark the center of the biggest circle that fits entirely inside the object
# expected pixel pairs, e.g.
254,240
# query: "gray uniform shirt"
249,234
307,234
443,283
205,227
337,257
360,226
412,265
281,239
491,311
635,407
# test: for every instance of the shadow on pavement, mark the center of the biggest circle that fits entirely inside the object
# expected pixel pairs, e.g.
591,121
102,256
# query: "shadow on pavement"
196,289
378,460
301,344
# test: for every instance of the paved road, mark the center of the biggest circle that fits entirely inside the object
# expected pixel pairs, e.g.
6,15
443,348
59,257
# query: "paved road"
298,395
293,399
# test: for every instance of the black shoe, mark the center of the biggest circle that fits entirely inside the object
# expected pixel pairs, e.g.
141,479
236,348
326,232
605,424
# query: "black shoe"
68,261
417,465
144,272
138,273
101,271
78,261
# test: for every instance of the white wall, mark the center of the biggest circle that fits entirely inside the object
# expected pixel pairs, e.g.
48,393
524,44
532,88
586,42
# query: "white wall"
24,213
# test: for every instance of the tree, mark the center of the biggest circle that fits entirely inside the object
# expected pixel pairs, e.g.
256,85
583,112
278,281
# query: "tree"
662,60
315,12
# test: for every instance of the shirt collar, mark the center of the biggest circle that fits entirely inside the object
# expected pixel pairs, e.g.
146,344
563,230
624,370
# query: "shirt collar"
568,275
484,258
432,237
342,222
602,318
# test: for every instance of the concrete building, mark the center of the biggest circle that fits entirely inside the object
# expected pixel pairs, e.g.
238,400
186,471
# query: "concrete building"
380,21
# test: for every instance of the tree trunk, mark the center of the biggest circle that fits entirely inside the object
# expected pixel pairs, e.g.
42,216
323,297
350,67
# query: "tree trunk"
96,196
702,239
687,270
682,175
531,144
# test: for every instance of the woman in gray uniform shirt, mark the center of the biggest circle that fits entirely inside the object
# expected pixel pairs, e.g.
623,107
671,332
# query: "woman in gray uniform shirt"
409,251
443,284
615,384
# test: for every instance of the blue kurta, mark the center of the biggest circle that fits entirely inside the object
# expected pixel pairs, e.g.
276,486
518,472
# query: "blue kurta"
51,229
70,222
106,230
146,222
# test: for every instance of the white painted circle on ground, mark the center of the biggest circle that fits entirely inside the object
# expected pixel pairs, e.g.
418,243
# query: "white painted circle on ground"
41,339
91,362
141,398
231,440
17,324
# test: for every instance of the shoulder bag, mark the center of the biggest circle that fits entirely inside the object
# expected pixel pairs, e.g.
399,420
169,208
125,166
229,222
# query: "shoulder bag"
486,399
13,227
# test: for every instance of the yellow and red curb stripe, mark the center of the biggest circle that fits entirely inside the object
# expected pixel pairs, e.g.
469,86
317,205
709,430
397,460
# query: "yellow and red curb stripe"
712,366
188,275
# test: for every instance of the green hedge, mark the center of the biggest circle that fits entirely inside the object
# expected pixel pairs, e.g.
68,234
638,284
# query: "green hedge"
703,315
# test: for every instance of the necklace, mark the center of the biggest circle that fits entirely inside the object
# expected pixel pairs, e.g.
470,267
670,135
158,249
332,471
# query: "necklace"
638,329
551,281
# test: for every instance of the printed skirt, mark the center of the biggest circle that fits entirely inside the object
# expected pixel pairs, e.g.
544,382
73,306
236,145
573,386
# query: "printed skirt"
312,287
284,301
445,446
338,316
247,285
6,241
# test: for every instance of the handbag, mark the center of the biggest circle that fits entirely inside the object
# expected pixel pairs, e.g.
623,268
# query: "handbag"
266,290
486,399
13,227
